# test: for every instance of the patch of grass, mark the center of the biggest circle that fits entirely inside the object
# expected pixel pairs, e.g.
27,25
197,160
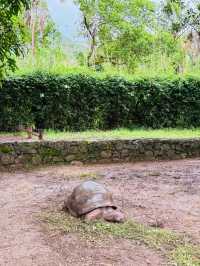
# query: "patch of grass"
91,176
11,134
124,134
121,133
175,247
187,255
84,176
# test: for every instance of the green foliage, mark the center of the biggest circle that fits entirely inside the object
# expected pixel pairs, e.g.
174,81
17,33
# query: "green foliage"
181,16
124,37
174,12
41,31
11,33
45,59
140,37
80,102
117,30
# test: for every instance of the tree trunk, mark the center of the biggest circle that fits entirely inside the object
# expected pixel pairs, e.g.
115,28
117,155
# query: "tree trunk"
91,52
92,34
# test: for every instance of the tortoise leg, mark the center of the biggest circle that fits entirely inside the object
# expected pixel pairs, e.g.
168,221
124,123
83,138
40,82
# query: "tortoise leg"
94,215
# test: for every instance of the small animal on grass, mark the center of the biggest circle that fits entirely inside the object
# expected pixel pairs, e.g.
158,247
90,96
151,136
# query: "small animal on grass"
31,131
92,201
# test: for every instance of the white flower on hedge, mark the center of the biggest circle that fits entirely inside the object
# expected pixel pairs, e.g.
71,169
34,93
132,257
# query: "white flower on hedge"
67,86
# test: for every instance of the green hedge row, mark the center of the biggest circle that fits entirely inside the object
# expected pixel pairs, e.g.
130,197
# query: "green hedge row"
79,102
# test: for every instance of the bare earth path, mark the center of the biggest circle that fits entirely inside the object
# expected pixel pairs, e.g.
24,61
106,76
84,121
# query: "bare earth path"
166,192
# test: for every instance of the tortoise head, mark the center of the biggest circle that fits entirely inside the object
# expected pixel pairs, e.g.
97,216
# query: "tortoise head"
111,214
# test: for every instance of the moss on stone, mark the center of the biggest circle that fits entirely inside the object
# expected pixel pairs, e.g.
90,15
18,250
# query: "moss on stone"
5,149
49,153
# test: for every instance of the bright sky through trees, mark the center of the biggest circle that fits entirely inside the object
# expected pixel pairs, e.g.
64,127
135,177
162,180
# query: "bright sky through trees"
67,16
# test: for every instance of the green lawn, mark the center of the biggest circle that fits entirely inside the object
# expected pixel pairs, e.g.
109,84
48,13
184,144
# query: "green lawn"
125,134
117,134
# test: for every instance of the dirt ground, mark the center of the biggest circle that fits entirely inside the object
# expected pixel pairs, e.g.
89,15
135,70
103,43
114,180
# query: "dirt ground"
4,139
165,193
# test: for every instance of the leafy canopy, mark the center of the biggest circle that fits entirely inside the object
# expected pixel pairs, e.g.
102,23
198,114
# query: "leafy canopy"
119,30
11,33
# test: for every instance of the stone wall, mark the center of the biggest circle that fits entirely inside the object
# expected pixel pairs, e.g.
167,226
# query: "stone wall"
25,154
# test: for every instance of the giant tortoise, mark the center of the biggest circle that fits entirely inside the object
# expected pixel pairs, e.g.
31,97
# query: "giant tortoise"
93,201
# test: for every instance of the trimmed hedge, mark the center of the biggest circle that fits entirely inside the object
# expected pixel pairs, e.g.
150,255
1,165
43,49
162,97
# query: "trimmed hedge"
79,102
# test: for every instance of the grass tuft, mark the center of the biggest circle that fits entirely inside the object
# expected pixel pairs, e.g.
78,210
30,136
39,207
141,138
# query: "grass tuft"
187,255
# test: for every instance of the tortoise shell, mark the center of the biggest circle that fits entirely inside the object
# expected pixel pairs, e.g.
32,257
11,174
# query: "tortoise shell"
87,197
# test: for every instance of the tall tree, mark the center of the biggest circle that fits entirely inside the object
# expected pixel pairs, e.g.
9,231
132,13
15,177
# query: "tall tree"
180,17
41,29
118,31
11,33
173,11
91,21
